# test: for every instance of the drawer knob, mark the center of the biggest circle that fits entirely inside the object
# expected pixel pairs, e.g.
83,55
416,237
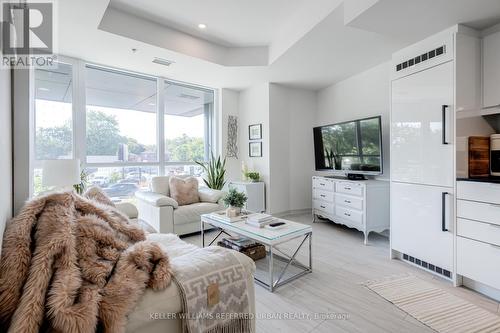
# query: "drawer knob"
347,201
323,207
322,195
347,214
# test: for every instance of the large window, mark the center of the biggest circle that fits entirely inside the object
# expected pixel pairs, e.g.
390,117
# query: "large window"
109,119
186,127
121,117
53,118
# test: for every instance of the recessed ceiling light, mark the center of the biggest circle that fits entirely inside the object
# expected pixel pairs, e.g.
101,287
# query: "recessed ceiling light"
202,26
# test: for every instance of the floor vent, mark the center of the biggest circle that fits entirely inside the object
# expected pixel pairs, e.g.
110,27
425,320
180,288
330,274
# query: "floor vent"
427,266
421,58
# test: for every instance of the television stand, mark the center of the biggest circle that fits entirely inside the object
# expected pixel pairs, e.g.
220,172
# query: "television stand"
355,176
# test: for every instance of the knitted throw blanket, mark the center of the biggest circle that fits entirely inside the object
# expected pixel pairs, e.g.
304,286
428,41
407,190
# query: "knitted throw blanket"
214,292
75,264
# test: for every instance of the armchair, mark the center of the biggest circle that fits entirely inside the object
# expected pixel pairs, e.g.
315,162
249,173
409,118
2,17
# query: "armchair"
164,214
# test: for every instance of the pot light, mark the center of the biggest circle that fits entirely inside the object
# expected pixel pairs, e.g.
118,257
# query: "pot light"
202,26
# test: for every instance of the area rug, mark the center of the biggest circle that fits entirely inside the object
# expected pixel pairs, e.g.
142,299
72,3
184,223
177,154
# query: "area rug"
435,307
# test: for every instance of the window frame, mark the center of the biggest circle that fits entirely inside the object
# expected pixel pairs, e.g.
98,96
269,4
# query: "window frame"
79,119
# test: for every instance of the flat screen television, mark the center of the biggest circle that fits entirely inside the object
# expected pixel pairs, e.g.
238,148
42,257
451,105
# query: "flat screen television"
353,147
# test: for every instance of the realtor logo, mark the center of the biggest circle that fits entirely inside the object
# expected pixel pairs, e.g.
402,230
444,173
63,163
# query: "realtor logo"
27,34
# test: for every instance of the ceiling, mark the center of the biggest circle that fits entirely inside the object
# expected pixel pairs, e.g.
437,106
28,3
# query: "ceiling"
308,44
238,23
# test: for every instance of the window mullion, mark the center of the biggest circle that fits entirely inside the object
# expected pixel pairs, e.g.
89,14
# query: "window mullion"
160,123
79,112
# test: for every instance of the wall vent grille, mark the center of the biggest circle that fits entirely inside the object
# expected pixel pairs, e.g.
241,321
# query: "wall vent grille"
427,266
421,58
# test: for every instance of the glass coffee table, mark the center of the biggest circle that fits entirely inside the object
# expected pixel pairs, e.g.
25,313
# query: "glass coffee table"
271,239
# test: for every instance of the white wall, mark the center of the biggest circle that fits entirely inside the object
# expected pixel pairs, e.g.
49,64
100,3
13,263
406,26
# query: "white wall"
286,115
363,95
292,113
5,152
229,105
253,108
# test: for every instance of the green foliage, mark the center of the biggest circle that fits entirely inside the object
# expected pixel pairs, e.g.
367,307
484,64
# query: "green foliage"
235,198
215,171
185,148
103,134
253,176
84,181
53,142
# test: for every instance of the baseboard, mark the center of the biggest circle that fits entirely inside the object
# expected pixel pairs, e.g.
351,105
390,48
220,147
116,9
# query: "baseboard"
482,288
293,212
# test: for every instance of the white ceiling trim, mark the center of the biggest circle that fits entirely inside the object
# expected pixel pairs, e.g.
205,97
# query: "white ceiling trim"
131,26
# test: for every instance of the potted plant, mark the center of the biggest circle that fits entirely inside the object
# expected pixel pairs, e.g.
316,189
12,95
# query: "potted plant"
253,176
234,200
215,171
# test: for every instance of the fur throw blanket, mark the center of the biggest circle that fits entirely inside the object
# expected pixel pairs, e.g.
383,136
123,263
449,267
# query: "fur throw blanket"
75,264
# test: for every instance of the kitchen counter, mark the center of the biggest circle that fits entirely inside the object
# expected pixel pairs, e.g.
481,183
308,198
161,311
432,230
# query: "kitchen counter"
481,180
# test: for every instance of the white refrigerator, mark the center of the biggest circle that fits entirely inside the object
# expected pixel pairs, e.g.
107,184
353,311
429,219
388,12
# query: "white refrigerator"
422,165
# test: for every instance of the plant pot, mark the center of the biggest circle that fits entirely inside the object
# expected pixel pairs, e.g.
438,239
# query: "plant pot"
233,211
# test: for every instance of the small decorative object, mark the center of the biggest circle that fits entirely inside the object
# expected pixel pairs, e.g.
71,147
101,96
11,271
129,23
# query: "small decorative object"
253,176
244,171
234,200
255,132
215,171
232,137
255,149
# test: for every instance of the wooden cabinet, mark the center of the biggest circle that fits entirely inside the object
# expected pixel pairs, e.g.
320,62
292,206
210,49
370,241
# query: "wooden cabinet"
491,70
363,205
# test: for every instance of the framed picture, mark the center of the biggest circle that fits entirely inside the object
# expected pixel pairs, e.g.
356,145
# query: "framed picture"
255,132
255,149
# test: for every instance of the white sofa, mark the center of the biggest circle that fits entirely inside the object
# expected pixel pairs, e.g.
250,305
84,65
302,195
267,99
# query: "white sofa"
164,214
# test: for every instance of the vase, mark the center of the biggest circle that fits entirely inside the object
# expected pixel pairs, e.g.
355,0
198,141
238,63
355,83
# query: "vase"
233,211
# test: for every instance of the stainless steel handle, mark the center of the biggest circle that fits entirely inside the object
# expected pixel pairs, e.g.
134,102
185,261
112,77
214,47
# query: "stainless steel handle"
347,214
322,184
323,207
443,211
347,201
347,188
443,111
322,195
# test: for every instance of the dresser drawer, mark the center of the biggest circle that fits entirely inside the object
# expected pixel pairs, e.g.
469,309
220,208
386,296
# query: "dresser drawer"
324,206
349,201
323,195
478,261
349,214
350,188
323,184
484,192
479,211
484,232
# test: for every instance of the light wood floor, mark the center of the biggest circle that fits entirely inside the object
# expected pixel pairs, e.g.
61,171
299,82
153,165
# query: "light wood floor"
341,263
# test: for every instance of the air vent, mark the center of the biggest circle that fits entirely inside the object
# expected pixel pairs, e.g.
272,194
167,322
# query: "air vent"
428,266
421,58
164,62
187,96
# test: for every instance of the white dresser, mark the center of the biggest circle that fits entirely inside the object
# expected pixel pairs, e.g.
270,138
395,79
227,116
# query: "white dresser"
478,232
363,205
255,192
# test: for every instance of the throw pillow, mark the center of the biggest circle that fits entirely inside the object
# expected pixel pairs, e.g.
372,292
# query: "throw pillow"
184,191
